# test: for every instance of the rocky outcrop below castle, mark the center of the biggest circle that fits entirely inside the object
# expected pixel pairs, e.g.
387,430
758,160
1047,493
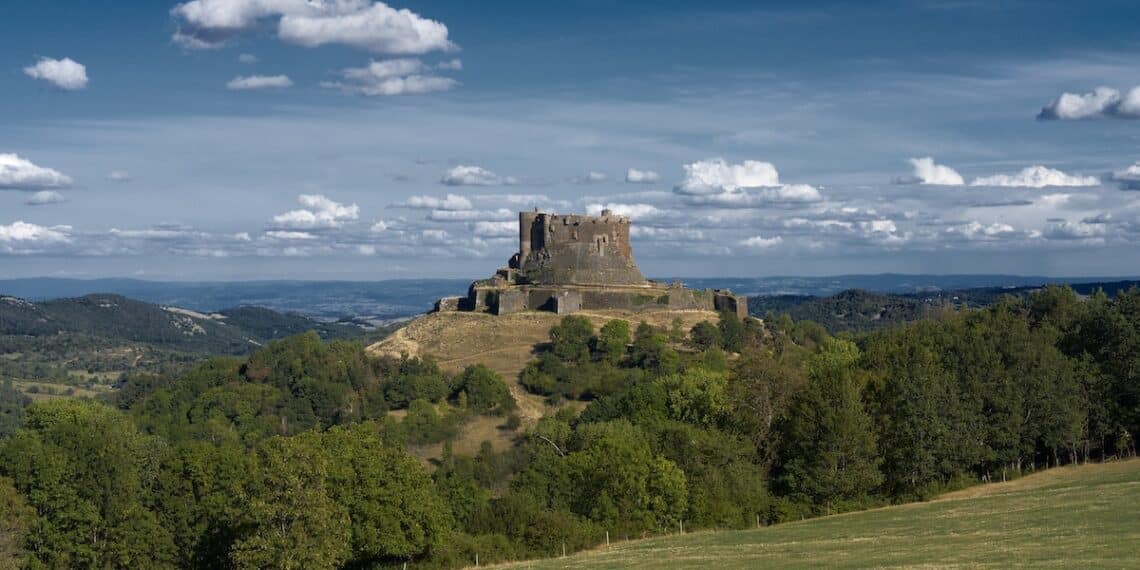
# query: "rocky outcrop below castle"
570,263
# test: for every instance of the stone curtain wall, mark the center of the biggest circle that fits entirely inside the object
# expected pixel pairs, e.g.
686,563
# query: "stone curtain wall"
567,299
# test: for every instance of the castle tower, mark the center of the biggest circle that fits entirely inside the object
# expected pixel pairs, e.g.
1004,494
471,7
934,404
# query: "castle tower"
576,250
526,224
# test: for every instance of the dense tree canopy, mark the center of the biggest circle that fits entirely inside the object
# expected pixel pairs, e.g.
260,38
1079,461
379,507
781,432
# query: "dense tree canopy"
298,456
12,404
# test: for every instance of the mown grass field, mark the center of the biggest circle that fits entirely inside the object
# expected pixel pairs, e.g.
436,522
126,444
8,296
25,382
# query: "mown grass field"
1071,517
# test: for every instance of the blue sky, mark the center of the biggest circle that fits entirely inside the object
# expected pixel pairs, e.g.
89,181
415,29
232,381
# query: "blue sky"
351,139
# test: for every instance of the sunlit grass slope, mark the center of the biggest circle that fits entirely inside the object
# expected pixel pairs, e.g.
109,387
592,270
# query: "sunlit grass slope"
1071,517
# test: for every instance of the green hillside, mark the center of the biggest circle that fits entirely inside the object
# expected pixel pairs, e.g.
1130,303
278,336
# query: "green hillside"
859,310
117,318
304,454
1071,517
852,310
90,341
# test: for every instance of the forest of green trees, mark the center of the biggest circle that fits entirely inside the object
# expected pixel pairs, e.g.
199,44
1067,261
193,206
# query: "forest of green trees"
291,458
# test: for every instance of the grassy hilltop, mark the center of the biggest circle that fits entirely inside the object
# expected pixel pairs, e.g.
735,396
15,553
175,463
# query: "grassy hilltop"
504,344
1072,517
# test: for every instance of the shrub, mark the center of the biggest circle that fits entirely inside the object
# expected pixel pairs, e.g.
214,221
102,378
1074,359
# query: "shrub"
732,332
704,336
612,341
570,339
486,392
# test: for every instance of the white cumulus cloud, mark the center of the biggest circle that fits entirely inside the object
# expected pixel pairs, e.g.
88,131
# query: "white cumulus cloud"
289,235
759,197
792,193
1102,102
45,197
496,229
635,176
449,202
472,215
1074,231
434,236
1036,177
403,76
1053,200
749,184
1128,177
822,225
976,230
760,242
156,233
879,226
361,24
883,232
384,69
451,65
523,200
667,234
716,175
66,74
926,171
319,212
634,211
467,175
377,28
20,235
411,85
119,176
17,173
592,177
252,82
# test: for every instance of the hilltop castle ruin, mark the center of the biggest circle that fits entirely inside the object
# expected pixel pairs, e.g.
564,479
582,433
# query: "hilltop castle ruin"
568,263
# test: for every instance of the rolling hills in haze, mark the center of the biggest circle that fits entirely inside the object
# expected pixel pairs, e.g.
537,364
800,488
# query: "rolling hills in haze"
114,317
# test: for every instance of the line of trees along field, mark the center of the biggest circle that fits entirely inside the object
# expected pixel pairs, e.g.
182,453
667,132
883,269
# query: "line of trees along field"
291,459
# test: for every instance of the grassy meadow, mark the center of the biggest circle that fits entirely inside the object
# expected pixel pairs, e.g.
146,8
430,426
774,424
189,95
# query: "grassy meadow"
1071,517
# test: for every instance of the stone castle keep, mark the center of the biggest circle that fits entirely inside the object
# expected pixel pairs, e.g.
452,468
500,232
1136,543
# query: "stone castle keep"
569,263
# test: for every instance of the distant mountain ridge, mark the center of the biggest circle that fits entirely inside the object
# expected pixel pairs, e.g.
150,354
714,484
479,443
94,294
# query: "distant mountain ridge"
890,283
118,318
857,310
381,302
377,303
